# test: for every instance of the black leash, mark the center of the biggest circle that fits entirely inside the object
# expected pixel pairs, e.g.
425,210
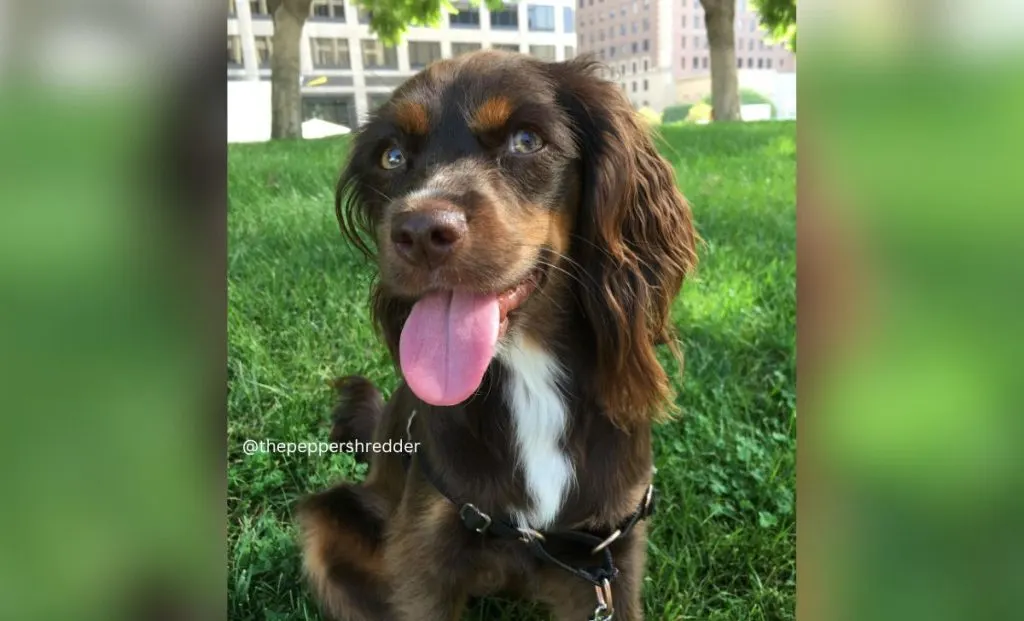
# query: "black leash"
503,527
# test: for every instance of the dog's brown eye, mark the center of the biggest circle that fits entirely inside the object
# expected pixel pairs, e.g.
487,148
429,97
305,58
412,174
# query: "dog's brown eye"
524,141
392,158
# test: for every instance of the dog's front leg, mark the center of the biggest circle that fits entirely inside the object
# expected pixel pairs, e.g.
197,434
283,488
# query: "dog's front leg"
424,560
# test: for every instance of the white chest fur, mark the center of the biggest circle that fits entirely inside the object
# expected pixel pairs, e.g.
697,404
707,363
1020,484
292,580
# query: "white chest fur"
539,418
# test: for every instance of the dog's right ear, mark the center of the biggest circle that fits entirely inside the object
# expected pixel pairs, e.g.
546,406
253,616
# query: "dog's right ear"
350,204
633,240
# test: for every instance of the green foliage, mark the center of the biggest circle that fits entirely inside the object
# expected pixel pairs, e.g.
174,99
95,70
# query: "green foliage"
779,19
676,114
722,545
389,19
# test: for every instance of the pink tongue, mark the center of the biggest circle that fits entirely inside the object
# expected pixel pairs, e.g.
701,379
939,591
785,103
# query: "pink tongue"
447,343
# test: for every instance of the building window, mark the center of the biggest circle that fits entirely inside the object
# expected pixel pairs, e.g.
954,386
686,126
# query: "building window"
258,8
328,9
231,7
739,63
611,32
506,19
422,53
543,52
264,50
768,63
634,86
611,52
330,53
622,29
704,63
760,63
568,19
541,18
696,62
645,104
467,17
753,25
782,63
340,110
647,24
458,49
570,52
647,45
364,16
696,43
645,87
634,66
634,47
234,51
632,27
750,63
601,54
508,47
376,55
683,43
684,21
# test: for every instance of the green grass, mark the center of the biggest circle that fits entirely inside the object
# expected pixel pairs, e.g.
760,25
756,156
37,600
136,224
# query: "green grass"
722,545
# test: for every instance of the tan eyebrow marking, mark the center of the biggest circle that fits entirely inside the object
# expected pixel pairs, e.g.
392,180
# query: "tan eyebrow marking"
412,118
492,114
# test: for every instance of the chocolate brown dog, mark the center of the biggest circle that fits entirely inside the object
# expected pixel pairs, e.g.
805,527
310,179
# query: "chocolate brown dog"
530,242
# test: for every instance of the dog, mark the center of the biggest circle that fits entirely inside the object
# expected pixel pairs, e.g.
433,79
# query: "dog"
530,241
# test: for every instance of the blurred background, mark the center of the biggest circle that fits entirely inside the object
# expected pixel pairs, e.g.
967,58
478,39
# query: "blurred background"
112,125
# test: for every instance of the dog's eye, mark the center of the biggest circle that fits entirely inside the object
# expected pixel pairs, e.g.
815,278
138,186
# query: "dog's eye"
524,141
392,158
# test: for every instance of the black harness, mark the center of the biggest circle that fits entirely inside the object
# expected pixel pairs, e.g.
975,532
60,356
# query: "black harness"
549,545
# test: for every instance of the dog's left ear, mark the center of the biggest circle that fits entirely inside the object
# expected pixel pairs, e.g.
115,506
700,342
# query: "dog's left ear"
633,239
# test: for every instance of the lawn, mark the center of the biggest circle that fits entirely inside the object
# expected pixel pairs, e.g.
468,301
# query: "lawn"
722,545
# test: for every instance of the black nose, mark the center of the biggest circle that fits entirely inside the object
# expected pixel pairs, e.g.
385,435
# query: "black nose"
428,236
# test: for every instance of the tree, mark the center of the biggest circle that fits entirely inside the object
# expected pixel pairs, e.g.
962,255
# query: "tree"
719,17
285,69
389,19
779,18
748,96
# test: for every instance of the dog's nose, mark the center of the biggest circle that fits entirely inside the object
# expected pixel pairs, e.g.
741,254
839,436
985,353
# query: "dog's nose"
428,235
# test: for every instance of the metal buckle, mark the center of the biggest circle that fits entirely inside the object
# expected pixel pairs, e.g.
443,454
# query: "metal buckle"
604,610
528,535
604,544
649,500
477,515
408,426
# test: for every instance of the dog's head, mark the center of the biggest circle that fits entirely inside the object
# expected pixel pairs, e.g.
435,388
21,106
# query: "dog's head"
502,195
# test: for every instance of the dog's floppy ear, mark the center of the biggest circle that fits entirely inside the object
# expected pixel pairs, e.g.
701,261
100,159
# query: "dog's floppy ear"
633,240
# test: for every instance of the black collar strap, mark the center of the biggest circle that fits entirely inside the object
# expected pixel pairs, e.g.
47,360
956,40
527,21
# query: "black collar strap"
504,528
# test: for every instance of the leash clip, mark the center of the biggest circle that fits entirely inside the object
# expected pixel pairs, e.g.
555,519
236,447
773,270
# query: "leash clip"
604,610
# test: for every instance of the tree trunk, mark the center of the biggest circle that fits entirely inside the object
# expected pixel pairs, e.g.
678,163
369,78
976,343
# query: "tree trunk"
720,16
286,91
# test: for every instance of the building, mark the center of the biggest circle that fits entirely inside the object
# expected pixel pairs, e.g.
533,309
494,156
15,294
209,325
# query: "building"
347,72
645,40
634,38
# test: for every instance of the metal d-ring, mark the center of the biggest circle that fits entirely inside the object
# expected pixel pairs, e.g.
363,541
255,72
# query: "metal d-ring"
604,610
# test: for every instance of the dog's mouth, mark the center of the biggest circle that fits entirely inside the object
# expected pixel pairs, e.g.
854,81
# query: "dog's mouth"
450,337
510,300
